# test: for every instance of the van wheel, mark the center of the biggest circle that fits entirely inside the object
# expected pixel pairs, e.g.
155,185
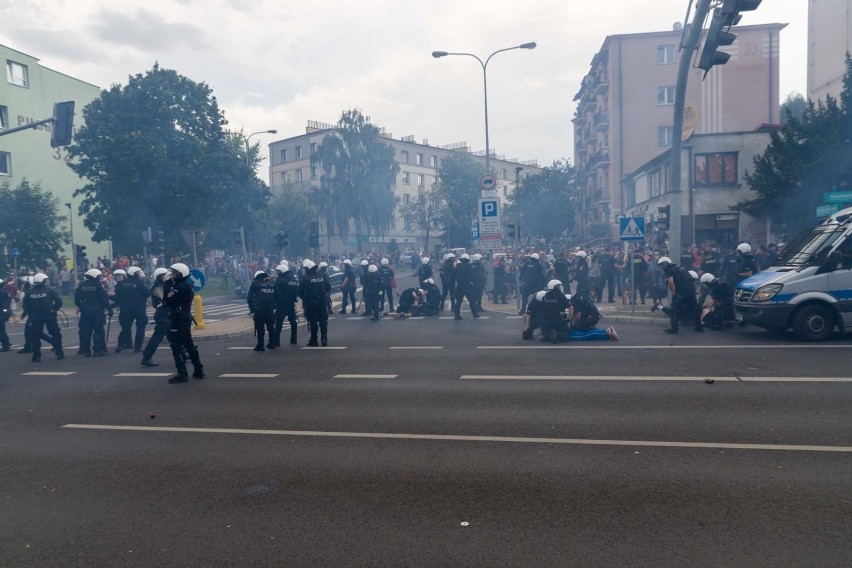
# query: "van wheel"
813,323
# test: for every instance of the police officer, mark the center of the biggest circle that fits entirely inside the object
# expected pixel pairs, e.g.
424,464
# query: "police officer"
425,270
161,318
91,299
178,300
40,305
722,312
286,294
683,304
581,273
5,315
531,277
261,303
388,279
534,315
554,325
410,303
373,291
365,267
431,298
312,291
463,280
348,286
124,289
479,279
447,273
561,271
323,271
500,284
134,297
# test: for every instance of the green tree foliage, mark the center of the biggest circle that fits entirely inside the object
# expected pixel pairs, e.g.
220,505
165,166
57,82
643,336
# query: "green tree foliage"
543,201
806,158
290,212
426,213
793,107
30,222
155,153
357,179
458,188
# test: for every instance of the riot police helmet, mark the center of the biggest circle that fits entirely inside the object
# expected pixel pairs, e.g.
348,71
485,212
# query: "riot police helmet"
373,268
93,273
744,248
118,272
308,264
364,262
664,260
260,274
540,295
385,262
553,284
476,257
424,260
693,274
707,278
180,269
283,267
159,272
40,278
465,256
347,262
580,254
534,255
323,264
133,270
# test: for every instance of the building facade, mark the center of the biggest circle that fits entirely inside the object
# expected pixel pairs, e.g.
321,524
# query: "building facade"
27,95
624,113
419,162
829,39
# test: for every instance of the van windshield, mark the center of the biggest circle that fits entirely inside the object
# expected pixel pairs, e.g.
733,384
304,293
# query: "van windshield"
810,246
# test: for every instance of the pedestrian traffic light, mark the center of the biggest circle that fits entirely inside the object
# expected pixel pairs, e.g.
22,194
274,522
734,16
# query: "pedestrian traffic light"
663,217
314,234
719,34
238,237
510,230
161,242
63,124
281,239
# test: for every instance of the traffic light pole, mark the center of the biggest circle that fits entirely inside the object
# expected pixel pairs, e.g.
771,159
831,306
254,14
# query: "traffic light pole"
690,45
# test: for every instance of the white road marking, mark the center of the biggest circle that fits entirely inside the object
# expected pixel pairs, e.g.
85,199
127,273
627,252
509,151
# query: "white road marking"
322,348
49,373
143,374
249,375
514,317
365,376
240,348
640,378
457,438
418,347
609,345
446,317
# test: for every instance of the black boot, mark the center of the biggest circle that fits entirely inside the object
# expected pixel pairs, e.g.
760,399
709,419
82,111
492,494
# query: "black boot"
148,363
60,354
36,358
259,347
178,379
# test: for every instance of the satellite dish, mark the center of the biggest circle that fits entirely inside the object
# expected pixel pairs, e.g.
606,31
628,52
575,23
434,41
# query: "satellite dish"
677,26
690,119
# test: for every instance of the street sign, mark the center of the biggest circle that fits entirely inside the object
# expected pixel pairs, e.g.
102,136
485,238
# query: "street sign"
490,242
827,210
193,237
837,196
16,252
487,182
474,229
632,228
489,216
197,279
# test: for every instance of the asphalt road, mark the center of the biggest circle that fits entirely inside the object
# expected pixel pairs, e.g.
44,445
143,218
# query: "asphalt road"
435,443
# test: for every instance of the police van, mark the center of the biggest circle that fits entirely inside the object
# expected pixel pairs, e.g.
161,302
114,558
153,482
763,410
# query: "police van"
808,288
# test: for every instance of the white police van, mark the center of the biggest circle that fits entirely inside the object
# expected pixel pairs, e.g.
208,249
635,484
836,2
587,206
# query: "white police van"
809,286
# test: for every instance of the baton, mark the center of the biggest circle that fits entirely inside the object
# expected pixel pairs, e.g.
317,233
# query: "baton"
109,323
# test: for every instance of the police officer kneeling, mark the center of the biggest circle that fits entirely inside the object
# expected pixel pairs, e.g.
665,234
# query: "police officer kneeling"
554,325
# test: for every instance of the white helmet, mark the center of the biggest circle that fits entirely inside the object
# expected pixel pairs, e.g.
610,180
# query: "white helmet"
308,264
465,256
323,264
373,268
744,248
157,272
40,278
347,262
283,266
429,281
664,260
476,257
133,270
540,295
30,280
580,254
424,260
93,273
119,272
180,268
259,273
385,262
707,278
534,255
568,296
364,262
693,274
450,255
553,284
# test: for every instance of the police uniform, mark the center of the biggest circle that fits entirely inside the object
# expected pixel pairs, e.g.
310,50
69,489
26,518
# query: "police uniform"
463,280
554,326
447,272
131,294
388,279
286,293
684,304
479,276
261,302
348,288
532,279
5,315
161,322
178,300
41,304
92,301
372,293
312,291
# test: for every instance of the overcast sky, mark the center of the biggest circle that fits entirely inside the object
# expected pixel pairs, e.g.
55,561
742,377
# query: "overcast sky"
275,64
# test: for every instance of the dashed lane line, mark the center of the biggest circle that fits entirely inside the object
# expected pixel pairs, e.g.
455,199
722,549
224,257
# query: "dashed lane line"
417,347
481,439
249,375
49,373
143,374
353,376
326,348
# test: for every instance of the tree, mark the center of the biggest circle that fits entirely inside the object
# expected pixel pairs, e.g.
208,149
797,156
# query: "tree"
458,188
30,222
357,179
543,201
804,159
793,107
290,212
155,153
426,212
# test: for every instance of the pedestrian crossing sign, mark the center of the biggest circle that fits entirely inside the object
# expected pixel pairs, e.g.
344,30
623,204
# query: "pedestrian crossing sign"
632,228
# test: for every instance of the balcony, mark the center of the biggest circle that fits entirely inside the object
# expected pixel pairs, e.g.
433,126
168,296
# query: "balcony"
601,121
602,87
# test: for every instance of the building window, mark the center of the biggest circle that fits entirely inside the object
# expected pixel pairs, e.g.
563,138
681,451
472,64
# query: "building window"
404,156
503,173
298,174
313,149
406,178
4,117
716,169
285,177
284,155
420,179
665,95
631,195
5,164
654,183
664,135
313,172
298,152
406,223
665,54
17,74
406,198
419,158
434,161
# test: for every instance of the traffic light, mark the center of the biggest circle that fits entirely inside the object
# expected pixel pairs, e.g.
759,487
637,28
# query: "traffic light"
719,35
238,237
314,234
510,230
663,217
281,239
81,256
161,242
63,124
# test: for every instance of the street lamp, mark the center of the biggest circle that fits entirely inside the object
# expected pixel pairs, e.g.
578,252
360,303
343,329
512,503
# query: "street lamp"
439,54
73,248
249,137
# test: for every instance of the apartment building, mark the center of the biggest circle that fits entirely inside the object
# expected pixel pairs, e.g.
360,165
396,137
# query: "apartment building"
419,162
27,95
829,39
625,104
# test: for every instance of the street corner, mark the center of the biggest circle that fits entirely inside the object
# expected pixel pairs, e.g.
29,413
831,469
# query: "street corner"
225,329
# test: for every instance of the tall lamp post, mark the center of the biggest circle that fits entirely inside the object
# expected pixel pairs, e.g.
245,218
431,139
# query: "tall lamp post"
73,248
248,161
439,54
